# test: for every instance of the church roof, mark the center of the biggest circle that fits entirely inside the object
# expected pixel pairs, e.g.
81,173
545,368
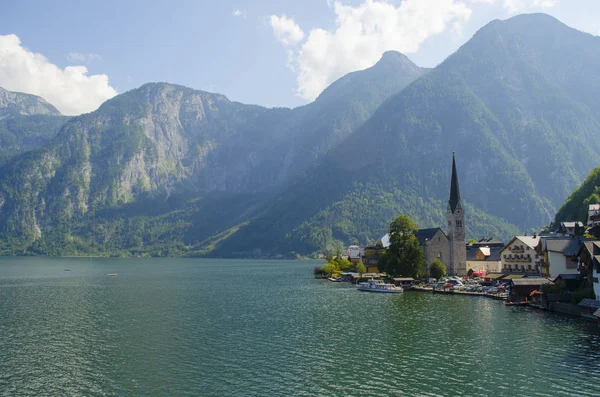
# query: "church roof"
425,234
454,190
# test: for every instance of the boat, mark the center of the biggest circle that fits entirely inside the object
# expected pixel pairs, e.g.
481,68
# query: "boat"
112,274
67,270
335,279
379,286
520,303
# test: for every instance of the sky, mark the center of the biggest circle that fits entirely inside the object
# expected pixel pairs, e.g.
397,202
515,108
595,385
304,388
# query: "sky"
274,53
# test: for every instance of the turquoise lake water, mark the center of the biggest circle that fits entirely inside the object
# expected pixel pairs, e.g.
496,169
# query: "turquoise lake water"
189,327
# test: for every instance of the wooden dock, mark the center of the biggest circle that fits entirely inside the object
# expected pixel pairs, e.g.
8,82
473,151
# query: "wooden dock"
453,292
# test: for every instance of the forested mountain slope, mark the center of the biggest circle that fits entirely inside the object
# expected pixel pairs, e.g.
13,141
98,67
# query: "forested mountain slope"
511,102
26,122
166,149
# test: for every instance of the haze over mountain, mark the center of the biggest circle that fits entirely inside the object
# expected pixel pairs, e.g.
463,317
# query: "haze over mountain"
26,122
168,170
161,139
510,102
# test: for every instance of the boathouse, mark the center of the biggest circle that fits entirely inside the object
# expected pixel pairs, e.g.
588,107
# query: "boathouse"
521,288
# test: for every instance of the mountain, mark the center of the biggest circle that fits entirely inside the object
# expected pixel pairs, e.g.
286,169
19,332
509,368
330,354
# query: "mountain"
167,170
26,122
165,152
17,103
518,103
341,107
575,208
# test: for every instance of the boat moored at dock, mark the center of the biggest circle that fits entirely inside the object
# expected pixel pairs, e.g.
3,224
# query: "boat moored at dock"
379,286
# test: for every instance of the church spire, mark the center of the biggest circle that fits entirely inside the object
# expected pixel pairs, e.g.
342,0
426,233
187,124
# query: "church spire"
454,190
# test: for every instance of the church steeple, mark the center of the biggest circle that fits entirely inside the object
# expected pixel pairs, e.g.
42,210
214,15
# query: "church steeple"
456,228
454,190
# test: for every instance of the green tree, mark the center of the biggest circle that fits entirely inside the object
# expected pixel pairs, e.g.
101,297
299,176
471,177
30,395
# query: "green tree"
360,268
437,269
404,257
329,268
343,264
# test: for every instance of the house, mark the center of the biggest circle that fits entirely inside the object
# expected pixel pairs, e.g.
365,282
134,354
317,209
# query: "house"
589,264
571,228
520,255
560,254
483,259
487,241
570,281
371,255
521,288
593,218
355,254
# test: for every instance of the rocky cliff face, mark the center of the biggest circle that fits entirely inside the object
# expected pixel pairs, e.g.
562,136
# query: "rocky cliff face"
166,170
162,138
26,122
17,103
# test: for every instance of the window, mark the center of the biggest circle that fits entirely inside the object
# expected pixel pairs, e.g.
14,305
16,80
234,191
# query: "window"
458,223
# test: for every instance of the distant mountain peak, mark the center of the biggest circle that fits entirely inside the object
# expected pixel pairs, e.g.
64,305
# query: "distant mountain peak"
19,103
394,56
392,66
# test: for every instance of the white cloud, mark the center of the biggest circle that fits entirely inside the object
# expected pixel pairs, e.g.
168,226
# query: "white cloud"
515,6
286,30
239,13
362,34
84,58
71,89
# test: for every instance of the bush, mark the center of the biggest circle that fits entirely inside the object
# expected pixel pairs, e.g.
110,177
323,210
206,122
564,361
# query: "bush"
437,269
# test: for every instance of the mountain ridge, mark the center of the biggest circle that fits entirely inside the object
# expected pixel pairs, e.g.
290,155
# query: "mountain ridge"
157,141
18,103
168,170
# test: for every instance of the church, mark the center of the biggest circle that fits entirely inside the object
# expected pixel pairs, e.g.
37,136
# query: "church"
449,247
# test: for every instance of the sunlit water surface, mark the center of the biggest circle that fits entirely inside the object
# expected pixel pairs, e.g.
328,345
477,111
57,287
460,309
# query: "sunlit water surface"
170,327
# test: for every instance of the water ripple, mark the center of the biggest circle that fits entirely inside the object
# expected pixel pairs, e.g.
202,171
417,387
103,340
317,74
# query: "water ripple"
263,328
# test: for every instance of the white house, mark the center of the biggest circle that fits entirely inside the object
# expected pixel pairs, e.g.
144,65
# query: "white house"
519,255
355,253
560,255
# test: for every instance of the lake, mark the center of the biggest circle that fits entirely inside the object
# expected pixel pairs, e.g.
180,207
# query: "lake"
174,327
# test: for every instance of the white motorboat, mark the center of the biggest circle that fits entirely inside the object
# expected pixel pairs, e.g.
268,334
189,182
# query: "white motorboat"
379,286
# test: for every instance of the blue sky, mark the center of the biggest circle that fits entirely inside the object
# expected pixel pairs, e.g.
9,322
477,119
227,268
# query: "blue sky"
272,53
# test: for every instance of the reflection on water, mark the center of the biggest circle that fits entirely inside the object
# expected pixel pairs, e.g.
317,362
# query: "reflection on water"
224,327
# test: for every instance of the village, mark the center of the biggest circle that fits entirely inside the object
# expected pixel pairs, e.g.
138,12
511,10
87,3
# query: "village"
556,269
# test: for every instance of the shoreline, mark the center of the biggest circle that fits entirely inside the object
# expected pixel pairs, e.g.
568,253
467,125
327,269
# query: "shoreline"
452,292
